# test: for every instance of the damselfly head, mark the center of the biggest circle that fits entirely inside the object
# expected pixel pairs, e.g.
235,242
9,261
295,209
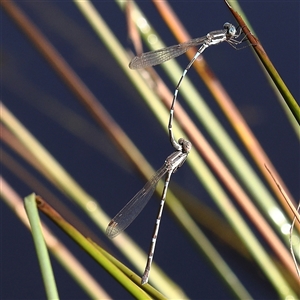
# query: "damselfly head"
186,145
231,30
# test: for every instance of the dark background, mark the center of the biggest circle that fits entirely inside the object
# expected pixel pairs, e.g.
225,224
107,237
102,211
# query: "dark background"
38,98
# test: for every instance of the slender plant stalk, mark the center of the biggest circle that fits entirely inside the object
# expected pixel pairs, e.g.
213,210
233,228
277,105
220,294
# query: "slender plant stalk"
41,248
287,96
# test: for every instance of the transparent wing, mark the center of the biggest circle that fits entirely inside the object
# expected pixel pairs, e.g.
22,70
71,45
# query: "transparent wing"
157,57
132,209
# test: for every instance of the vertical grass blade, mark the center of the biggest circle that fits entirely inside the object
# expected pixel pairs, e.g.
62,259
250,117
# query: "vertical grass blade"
41,248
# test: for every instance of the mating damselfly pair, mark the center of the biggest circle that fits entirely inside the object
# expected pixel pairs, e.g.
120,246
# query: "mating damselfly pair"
131,210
